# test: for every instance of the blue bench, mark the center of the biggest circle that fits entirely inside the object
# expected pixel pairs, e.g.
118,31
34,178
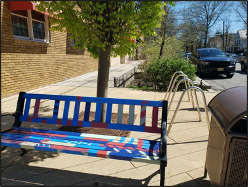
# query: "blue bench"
113,147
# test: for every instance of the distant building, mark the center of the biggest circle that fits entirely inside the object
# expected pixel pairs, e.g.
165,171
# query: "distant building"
217,41
240,41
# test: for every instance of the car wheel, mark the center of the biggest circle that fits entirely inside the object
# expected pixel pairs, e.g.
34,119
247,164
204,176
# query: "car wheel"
242,66
229,75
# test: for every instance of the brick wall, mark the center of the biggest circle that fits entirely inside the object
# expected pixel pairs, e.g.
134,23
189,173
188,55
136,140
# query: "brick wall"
27,65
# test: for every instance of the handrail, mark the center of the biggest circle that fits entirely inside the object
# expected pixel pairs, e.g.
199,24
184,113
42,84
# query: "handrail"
180,100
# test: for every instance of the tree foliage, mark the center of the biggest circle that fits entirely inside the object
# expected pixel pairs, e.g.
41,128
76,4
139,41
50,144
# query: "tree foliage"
104,28
98,24
167,27
172,47
206,13
241,10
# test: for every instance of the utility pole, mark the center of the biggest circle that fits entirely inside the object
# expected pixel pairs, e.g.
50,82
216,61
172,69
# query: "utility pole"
223,38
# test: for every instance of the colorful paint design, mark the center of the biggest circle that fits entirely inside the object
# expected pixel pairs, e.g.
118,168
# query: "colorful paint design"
113,147
122,148
99,101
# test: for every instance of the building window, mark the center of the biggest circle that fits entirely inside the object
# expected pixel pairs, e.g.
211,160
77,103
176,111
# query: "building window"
20,26
30,25
39,30
72,40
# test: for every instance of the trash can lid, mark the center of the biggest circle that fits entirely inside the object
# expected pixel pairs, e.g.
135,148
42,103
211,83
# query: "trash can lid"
229,106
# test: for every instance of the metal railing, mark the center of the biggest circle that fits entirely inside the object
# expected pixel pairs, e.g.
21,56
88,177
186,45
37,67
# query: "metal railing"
180,100
191,96
170,82
170,87
119,81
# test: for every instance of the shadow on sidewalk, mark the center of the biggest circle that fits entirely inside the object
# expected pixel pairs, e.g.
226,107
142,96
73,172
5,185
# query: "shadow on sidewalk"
37,176
201,181
33,175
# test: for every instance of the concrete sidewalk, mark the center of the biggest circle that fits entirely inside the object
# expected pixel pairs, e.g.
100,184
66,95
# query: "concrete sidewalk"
187,143
90,79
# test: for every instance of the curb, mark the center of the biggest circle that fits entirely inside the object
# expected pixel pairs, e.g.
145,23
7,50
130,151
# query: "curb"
202,84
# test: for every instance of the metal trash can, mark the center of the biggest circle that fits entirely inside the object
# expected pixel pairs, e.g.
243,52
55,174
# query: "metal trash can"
226,158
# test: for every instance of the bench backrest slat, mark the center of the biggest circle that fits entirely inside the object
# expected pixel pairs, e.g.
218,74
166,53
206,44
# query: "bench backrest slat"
56,110
66,110
131,115
99,103
109,113
76,110
143,115
98,112
27,106
87,111
155,117
36,108
120,113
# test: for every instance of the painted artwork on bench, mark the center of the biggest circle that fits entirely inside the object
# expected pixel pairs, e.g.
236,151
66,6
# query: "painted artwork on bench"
75,111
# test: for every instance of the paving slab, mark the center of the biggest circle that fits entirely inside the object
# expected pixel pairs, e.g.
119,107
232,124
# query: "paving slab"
197,175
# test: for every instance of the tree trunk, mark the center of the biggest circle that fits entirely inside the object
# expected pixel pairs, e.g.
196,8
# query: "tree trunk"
163,28
162,46
206,37
103,77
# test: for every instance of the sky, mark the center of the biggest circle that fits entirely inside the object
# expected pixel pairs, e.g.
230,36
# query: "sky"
230,17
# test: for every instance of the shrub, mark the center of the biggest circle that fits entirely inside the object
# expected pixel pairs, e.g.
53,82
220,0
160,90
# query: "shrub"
159,71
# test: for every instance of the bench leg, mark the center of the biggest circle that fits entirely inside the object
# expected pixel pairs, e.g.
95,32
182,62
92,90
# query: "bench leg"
162,175
24,151
3,147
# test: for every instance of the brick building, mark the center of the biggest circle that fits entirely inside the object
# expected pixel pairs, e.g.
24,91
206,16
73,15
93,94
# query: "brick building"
32,55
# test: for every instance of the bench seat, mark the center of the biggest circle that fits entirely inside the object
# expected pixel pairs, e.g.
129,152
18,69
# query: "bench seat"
114,147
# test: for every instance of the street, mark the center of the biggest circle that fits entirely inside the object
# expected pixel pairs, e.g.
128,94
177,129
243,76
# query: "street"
220,82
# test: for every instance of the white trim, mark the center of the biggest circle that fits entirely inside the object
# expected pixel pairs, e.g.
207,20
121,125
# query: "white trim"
21,37
46,29
30,26
18,15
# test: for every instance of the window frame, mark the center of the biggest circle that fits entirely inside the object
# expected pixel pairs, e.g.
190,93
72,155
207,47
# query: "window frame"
30,28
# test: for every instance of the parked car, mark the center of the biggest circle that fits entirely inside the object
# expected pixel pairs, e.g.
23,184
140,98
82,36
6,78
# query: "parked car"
234,56
243,61
238,57
185,55
227,54
212,60
188,56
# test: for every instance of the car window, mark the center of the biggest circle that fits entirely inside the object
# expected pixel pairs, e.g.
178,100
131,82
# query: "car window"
212,53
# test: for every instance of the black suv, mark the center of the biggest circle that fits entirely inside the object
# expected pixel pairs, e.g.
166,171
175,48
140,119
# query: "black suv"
212,60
